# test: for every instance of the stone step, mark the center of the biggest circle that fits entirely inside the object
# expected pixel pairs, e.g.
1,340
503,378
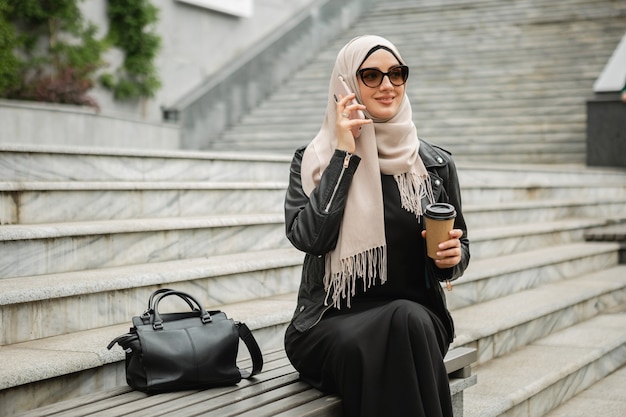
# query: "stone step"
437,96
541,175
64,247
602,398
34,249
493,242
438,118
65,201
540,376
527,152
56,163
519,212
271,272
77,301
491,278
537,312
35,202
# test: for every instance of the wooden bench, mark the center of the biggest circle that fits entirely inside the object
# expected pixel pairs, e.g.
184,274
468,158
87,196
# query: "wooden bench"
275,392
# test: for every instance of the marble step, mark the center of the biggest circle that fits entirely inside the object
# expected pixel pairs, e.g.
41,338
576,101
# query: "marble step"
479,124
519,212
493,242
547,95
77,301
526,151
491,278
602,398
72,201
535,379
75,246
46,202
33,249
539,175
57,163
30,202
537,312
262,273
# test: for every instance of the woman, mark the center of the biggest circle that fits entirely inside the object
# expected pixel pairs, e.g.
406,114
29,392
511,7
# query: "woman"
371,323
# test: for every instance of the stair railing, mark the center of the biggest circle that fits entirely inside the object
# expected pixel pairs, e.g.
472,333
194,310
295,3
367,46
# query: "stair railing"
230,93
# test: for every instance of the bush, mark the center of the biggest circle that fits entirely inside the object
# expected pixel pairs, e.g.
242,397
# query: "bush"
131,29
48,52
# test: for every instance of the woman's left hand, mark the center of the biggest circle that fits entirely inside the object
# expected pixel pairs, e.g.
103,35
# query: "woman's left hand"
449,251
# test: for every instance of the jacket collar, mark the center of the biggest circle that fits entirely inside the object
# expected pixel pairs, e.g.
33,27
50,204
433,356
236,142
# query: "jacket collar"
432,156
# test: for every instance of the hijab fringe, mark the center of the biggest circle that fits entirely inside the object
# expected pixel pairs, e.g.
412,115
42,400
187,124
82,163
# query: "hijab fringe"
365,265
413,188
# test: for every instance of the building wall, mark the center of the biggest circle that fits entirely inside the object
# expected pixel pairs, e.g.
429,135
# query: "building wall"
196,43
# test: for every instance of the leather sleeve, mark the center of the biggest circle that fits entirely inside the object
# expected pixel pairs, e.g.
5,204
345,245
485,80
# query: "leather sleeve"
312,222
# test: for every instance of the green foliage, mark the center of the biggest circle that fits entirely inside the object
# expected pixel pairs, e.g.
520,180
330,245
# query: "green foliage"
9,65
132,30
56,53
49,53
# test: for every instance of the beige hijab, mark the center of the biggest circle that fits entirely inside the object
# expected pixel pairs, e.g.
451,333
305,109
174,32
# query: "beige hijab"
386,146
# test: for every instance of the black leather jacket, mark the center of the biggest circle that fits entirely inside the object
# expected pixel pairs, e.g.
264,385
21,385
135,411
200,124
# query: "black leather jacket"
312,225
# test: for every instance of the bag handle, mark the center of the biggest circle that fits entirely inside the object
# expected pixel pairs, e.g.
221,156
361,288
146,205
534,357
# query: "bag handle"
244,331
157,321
255,352
161,291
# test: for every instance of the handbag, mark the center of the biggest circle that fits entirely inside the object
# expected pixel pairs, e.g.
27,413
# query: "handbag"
185,350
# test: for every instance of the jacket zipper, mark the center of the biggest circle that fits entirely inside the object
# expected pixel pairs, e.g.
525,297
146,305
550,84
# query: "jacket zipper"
321,315
346,162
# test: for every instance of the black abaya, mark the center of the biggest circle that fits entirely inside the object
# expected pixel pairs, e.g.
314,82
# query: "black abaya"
384,355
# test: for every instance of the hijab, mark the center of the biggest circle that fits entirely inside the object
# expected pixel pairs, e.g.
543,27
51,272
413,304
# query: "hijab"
387,146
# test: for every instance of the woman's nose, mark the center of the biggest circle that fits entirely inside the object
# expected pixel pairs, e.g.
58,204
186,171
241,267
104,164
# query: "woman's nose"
386,83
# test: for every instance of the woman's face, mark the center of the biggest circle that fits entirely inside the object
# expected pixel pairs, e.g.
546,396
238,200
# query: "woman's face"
382,102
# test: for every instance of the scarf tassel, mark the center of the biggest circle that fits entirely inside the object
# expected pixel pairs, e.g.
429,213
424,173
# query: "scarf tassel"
366,266
413,188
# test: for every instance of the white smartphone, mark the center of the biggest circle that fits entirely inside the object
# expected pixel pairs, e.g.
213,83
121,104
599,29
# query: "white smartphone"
355,114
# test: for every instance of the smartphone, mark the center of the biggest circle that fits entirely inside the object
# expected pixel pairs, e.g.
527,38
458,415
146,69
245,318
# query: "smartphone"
355,114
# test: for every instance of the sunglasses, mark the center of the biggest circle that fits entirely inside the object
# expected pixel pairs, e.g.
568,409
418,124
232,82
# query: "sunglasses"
373,77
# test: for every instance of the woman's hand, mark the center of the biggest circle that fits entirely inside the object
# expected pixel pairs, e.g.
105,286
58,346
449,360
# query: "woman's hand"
449,253
345,139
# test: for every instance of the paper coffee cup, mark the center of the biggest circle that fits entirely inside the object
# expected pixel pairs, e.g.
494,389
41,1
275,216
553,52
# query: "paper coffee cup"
439,219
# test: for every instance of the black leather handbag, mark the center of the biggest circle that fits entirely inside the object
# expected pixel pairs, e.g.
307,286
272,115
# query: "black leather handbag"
194,349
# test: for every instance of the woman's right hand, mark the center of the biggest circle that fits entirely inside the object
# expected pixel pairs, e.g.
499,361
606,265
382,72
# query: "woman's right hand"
344,125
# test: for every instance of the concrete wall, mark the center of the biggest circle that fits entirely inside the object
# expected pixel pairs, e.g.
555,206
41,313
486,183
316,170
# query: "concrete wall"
24,122
223,98
196,42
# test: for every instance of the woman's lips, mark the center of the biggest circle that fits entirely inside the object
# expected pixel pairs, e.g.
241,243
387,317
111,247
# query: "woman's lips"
385,100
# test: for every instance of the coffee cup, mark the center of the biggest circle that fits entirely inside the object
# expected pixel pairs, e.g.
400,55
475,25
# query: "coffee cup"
439,219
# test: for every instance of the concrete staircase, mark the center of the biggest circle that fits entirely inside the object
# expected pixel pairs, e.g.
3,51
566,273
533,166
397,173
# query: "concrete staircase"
88,234
81,257
490,80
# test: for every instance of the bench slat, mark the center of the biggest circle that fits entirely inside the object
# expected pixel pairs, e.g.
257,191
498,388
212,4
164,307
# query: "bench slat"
329,406
252,403
284,404
211,398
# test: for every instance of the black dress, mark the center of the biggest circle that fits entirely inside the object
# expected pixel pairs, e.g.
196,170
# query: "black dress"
384,355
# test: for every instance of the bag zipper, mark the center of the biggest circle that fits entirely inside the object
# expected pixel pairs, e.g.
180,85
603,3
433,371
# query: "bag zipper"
346,162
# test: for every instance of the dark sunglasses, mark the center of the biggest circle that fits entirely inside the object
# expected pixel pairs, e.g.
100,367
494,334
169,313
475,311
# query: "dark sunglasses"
373,77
